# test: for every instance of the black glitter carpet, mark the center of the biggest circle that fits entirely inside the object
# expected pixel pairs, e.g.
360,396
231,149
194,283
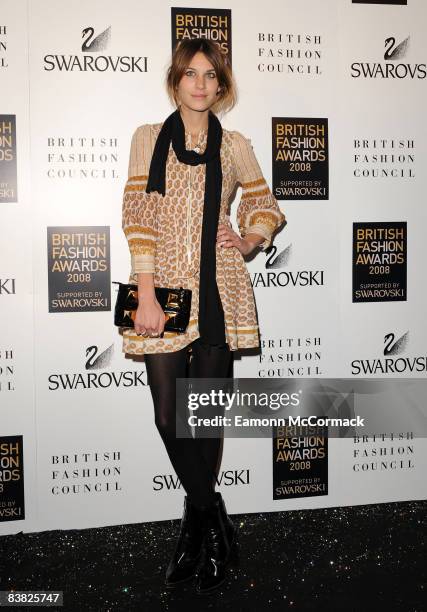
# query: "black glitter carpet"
339,559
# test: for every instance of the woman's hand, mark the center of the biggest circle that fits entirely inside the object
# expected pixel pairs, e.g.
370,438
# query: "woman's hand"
227,237
149,318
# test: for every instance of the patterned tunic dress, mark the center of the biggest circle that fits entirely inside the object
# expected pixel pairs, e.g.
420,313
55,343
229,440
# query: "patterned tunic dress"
164,234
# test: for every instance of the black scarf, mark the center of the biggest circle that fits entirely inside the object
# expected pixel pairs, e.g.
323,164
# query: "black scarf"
211,314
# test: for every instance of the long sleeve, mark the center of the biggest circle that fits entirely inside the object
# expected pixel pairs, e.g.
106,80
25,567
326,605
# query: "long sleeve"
258,211
139,218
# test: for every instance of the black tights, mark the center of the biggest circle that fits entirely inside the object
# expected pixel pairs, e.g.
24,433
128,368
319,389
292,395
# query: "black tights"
196,460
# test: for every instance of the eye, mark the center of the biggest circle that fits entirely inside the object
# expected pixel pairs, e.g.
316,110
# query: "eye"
189,72
212,75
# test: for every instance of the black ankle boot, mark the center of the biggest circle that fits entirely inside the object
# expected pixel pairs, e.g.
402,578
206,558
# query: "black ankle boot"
216,549
230,527
188,550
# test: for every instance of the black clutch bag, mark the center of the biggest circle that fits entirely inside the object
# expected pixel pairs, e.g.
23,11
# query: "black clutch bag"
175,303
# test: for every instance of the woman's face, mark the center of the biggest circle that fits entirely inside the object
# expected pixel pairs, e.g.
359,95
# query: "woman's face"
198,87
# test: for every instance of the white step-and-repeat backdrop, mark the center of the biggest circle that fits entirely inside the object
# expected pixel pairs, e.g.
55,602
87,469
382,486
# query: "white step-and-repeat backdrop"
332,95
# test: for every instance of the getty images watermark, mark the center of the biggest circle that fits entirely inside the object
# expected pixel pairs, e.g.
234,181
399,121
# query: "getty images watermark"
344,407
274,401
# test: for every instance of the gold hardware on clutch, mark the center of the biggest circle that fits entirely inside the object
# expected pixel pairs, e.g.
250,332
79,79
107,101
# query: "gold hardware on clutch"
176,310
172,301
130,314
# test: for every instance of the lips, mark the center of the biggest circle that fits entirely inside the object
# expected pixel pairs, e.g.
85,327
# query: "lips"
194,96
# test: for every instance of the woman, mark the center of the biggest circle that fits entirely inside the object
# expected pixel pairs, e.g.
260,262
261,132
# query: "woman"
182,175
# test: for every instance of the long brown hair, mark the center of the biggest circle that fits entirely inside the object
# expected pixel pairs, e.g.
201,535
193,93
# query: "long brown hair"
181,59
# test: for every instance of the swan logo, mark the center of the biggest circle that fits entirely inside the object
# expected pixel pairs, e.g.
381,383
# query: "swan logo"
392,69
91,62
96,360
394,362
92,43
393,346
394,52
276,260
226,478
